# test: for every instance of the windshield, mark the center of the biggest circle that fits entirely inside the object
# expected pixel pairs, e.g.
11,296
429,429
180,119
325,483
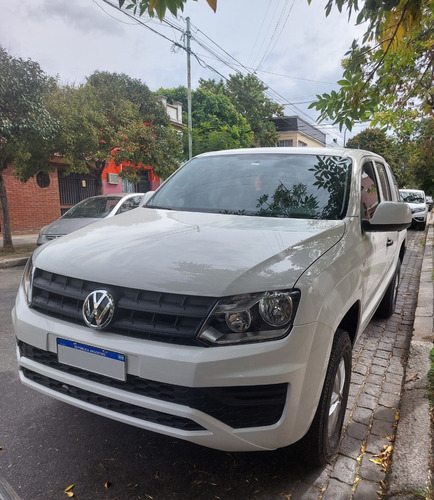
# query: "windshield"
264,185
93,208
412,197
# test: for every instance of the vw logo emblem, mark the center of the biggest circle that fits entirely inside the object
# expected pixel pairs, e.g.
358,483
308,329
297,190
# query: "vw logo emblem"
98,309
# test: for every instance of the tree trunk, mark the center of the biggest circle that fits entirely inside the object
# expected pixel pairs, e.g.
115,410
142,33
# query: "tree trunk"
100,165
96,170
6,226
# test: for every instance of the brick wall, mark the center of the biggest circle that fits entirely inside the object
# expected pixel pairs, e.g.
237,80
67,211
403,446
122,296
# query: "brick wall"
30,206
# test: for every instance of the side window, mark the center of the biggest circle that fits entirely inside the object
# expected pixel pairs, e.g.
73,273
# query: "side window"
369,196
384,181
135,202
130,204
126,205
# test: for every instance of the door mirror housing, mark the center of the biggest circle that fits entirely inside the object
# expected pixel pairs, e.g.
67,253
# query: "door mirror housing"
389,216
146,198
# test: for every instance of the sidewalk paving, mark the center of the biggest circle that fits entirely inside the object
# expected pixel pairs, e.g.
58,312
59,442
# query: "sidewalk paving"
14,261
386,447
412,455
388,404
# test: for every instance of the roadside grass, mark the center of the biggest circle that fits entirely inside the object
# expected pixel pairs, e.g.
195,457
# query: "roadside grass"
428,492
431,381
19,251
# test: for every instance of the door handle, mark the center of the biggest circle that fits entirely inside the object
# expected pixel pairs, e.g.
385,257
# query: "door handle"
389,242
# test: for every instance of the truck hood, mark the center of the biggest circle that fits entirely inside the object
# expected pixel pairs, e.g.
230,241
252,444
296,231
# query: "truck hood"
191,253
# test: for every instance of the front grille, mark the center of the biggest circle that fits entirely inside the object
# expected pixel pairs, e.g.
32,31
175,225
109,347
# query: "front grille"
239,407
164,317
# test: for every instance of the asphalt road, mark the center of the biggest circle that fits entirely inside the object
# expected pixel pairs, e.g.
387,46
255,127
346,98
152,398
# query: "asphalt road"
46,445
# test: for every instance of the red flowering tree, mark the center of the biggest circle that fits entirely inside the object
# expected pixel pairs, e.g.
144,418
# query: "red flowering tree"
151,145
113,112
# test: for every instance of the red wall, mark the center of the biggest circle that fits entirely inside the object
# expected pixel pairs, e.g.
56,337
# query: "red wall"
112,168
30,206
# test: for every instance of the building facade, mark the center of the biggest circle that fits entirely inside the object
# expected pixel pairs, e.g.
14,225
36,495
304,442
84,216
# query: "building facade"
295,132
45,197
32,204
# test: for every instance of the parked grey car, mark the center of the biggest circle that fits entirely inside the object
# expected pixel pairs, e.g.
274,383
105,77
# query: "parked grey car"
89,210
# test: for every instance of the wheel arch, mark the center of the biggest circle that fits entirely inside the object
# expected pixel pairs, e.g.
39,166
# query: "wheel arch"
351,322
403,249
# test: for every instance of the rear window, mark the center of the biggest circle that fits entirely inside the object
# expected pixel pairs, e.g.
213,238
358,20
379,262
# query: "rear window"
92,208
262,185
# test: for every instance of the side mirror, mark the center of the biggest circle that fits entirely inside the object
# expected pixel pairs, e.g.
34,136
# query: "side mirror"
389,216
146,198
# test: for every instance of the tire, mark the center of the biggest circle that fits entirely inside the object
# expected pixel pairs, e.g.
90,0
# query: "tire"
321,443
421,226
388,303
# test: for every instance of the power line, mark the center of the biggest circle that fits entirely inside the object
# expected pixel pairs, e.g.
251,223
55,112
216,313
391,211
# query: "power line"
264,38
252,70
271,94
259,31
295,77
138,21
234,65
269,48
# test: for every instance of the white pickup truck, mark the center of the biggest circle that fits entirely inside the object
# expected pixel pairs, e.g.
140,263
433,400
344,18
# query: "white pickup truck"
225,310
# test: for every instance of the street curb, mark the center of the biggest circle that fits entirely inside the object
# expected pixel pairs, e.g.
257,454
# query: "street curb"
14,262
410,472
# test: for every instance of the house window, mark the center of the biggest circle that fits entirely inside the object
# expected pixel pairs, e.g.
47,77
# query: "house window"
285,144
302,144
42,179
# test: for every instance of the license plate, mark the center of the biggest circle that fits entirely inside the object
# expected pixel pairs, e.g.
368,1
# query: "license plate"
96,360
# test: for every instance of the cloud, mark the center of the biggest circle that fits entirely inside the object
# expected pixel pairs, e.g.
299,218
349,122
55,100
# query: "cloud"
73,39
77,16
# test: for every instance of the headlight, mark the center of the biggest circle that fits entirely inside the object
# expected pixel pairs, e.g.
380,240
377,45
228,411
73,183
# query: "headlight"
27,280
251,318
417,210
276,308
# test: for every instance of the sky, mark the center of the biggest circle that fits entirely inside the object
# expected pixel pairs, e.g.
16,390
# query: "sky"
290,45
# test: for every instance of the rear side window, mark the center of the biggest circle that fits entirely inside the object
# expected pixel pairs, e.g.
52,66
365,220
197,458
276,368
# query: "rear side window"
384,181
369,196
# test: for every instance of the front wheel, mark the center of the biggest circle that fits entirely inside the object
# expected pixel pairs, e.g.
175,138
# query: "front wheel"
388,303
322,440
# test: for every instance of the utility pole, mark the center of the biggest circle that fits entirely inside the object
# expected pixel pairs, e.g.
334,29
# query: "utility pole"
190,141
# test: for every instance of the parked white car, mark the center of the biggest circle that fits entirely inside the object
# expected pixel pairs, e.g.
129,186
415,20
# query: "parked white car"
225,310
88,211
416,200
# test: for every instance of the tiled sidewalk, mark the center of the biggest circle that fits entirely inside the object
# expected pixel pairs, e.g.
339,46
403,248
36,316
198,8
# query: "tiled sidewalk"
379,374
